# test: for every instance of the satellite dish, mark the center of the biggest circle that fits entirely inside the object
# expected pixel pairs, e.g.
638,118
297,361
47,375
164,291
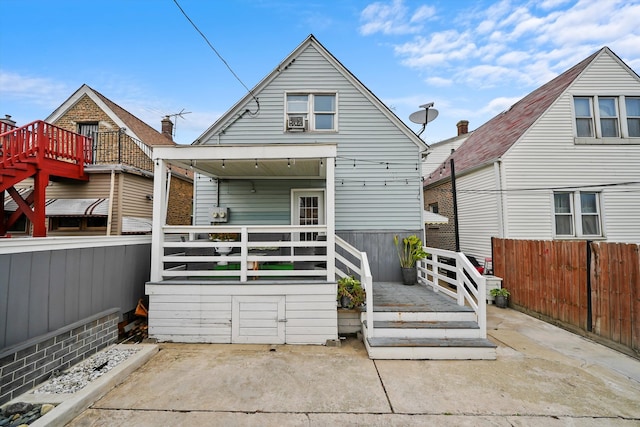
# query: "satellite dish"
422,117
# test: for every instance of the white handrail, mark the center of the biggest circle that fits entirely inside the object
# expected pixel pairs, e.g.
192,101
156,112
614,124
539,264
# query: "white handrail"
187,251
363,272
470,284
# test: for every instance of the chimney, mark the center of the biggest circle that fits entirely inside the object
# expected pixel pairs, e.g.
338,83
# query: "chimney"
7,121
463,127
167,127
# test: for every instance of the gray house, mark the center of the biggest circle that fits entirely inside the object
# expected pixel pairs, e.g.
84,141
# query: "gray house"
304,180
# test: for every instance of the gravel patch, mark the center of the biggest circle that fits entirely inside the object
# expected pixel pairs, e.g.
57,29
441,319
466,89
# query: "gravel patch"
78,376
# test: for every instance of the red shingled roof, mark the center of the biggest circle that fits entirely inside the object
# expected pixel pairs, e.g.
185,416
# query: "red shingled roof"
146,133
495,137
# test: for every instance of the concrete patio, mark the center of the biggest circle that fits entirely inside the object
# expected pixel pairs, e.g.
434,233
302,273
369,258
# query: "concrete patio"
544,376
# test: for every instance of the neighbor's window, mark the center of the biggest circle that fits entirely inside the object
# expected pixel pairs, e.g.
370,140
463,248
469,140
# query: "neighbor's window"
76,223
577,214
313,111
633,116
608,116
614,118
584,116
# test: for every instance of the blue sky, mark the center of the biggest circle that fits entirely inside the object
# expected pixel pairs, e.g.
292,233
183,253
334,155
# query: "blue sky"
473,59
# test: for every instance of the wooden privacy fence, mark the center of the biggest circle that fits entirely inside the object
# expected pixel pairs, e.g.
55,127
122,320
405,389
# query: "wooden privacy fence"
592,286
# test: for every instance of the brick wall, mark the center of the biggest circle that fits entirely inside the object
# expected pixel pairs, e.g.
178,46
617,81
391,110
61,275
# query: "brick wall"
25,366
86,111
442,236
180,202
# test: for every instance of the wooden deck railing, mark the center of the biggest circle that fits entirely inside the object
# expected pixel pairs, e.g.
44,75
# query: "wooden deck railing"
454,268
356,263
257,252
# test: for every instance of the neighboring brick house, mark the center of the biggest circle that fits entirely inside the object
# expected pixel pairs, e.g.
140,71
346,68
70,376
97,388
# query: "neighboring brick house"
117,199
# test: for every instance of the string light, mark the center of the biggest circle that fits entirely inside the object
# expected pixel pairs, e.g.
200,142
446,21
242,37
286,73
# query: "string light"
256,163
288,163
222,163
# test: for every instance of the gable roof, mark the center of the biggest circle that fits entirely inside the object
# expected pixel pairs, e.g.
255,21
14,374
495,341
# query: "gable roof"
135,127
241,106
492,140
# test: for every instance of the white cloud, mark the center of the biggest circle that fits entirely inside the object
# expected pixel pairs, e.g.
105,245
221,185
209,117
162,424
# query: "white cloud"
498,105
393,18
439,81
41,91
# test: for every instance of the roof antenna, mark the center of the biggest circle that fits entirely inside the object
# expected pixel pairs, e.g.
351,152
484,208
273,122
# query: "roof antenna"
177,115
422,117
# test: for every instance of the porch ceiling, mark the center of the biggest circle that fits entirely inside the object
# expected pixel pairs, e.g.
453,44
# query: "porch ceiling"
274,161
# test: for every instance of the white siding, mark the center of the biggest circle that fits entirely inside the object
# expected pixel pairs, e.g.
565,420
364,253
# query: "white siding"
203,313
546,157
477,212
369,196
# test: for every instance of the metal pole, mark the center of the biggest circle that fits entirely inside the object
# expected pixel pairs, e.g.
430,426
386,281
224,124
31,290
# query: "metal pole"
455,204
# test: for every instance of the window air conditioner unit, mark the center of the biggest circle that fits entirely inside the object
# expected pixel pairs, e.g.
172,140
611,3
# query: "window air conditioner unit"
296,122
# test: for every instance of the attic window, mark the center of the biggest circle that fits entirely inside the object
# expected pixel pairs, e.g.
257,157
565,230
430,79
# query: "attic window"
607,119
311,111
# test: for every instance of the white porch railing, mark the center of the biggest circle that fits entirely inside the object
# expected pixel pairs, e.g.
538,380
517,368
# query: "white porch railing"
356,263
259,251
470,284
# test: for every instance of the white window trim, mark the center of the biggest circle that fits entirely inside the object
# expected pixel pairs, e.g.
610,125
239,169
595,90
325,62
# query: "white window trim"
310,112
576,215
598,139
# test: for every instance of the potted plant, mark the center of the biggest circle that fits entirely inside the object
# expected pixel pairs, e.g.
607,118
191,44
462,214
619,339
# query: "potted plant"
223,237
501,296
350,292
408,253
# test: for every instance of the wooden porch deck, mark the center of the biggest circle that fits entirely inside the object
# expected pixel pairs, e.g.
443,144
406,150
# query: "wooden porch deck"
396,297
415,322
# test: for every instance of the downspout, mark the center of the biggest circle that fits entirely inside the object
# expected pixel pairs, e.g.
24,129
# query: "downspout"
110,209
497,172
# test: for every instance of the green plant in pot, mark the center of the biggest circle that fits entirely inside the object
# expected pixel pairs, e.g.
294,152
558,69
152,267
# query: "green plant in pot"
501,296
409,252
350,292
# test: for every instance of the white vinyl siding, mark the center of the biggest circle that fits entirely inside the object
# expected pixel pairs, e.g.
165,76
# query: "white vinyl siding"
369,195
477,212
546,159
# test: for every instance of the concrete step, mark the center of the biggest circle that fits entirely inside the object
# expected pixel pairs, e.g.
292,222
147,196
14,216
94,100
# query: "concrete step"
423,316
427,329
403,348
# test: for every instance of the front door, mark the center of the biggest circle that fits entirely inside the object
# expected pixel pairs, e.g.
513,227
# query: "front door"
308,209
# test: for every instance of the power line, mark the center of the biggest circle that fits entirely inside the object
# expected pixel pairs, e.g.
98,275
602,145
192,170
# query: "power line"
216,52
559,188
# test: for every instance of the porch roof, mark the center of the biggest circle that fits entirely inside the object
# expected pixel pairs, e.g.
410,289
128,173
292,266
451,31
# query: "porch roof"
251,160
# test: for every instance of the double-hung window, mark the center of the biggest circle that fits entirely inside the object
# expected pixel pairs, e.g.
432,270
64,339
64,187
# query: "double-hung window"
606,119
311,111
632,105
577,214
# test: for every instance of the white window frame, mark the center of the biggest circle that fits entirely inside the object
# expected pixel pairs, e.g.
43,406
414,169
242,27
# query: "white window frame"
620,117
625,114
576,214
310,113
